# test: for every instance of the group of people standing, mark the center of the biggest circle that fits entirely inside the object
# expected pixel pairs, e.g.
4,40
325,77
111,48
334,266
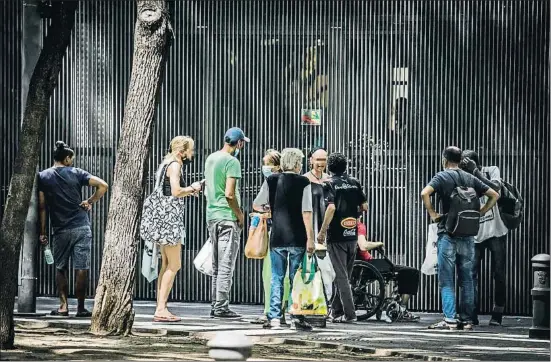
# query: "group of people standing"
316,210
313,211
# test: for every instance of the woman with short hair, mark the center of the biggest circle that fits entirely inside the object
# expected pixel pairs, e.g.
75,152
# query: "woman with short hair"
272,164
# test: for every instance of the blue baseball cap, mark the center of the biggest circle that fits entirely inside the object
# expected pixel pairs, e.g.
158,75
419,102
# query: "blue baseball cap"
235,134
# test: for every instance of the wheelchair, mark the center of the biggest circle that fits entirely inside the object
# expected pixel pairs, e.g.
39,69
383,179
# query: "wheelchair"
369,289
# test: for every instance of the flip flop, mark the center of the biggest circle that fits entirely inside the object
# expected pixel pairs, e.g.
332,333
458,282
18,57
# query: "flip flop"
83,314
169,319
57,313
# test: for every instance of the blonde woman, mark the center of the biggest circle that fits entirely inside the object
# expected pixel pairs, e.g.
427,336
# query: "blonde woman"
172,170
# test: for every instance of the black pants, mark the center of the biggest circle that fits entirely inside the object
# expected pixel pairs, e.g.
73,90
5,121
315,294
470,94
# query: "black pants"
497,248
407,277
342,257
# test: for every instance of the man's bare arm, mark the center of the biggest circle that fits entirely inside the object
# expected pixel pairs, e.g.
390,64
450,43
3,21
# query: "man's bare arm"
231,184
492,199
308,224
494,184
101,188
425,195
329,214
42,210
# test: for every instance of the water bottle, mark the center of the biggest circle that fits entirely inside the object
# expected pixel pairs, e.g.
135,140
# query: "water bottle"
255,221
48,255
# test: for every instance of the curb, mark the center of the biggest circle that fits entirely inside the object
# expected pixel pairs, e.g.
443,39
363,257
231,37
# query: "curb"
162,332
361,349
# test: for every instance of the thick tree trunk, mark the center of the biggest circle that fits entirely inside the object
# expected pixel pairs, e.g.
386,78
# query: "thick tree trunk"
113,309
42,84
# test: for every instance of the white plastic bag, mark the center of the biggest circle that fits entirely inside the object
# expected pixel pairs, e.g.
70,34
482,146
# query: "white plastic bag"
430,265
203,260
327,274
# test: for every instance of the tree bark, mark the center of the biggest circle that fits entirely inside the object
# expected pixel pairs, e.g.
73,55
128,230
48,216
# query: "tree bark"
43,82
113,308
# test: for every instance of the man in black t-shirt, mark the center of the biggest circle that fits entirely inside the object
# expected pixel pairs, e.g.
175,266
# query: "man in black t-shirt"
344,198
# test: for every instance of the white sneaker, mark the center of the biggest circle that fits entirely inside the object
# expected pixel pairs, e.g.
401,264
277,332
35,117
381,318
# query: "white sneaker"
273,324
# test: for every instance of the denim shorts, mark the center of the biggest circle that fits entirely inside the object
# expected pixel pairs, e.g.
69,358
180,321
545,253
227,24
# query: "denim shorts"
75,243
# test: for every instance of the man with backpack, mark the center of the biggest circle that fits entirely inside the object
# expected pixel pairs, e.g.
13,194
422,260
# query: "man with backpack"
491,236
459,194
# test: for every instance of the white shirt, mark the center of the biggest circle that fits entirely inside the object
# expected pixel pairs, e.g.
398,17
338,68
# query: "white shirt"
491,225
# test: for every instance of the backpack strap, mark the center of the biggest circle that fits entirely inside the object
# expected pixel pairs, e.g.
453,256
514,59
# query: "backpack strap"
461,180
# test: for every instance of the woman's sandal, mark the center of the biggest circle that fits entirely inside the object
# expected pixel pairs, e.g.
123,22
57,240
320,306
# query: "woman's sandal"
167,319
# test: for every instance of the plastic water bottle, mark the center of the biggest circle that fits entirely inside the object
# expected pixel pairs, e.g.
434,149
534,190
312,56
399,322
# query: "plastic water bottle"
48,255
255,221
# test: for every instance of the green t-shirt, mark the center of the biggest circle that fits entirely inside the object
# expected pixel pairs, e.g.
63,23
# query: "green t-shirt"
219,167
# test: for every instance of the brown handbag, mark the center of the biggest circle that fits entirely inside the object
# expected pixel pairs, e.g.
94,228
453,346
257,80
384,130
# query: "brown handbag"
257,242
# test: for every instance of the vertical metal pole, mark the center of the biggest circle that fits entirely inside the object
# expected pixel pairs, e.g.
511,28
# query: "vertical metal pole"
30,51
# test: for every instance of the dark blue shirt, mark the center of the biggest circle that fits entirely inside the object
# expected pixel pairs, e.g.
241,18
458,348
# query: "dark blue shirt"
444,182
62,188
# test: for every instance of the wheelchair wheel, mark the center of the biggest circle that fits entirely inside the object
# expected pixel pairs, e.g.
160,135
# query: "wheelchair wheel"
368,290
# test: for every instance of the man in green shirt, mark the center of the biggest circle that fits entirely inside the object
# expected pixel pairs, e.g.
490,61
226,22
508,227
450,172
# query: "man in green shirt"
224,217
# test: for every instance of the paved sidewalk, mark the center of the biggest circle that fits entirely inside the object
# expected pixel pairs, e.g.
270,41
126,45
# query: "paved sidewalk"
509,342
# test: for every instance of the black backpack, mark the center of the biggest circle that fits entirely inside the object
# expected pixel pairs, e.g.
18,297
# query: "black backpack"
511,206
463,218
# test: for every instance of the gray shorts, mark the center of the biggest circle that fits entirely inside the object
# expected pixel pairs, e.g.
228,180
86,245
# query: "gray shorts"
73,242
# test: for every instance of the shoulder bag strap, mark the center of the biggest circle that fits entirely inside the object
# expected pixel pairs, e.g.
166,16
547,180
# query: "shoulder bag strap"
163,174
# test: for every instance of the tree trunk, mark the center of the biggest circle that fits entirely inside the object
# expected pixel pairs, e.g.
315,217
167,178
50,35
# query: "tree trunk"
113,309
43,82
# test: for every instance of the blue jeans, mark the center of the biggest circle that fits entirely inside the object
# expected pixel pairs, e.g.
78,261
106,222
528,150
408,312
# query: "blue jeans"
279,258
454,251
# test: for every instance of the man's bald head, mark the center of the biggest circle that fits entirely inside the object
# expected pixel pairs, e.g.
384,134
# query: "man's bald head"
318,159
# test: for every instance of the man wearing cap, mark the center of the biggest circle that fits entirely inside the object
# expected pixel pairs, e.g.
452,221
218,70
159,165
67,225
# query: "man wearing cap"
224,217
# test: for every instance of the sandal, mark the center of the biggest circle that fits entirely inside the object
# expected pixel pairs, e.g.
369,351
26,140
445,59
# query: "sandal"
167,319
58,313
85,313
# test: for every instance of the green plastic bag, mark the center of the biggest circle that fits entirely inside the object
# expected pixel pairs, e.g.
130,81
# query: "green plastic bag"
307,295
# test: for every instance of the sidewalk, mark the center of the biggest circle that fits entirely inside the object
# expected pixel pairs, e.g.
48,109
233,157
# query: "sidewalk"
408,340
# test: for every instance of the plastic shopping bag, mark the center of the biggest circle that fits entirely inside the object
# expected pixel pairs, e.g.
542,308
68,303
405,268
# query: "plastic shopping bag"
203,260
150,259
327,274
430,265
307,296
257,242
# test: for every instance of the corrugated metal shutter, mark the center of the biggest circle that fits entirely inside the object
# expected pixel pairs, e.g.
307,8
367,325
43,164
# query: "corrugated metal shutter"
395,82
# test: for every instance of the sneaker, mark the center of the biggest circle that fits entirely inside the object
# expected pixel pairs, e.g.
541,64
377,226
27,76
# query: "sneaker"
343,319
476,322
496,319
272,324
467,326
409,317
334,316
260,320
226,314
300,325
443,325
